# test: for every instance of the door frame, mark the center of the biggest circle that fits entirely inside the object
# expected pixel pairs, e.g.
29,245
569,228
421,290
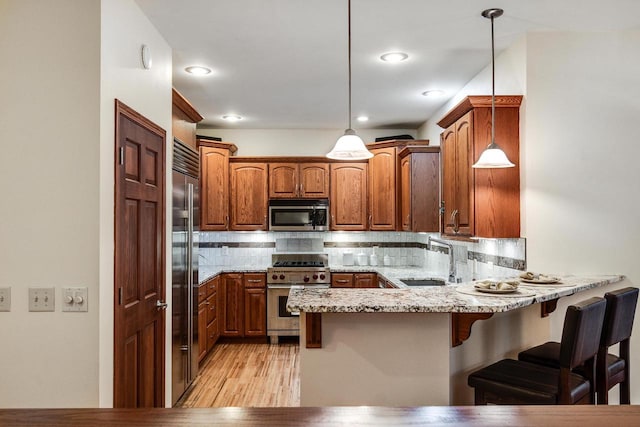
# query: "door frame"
122,109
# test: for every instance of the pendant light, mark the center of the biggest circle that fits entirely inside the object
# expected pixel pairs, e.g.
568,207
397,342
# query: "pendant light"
493,156
349,146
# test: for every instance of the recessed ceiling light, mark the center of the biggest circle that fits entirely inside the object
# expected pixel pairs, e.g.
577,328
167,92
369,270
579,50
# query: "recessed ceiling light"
394,57
232,118
198,70
362,118
433,93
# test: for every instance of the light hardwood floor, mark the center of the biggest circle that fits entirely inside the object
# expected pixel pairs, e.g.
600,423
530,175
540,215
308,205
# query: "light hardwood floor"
248,375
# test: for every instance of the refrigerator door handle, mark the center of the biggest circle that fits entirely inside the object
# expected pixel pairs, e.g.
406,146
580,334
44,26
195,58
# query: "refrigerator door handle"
190,283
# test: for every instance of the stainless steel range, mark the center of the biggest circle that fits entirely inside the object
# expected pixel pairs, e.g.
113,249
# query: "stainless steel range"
308,270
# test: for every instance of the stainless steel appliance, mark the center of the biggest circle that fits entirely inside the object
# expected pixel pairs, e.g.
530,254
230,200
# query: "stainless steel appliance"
308,270
299,215
184,236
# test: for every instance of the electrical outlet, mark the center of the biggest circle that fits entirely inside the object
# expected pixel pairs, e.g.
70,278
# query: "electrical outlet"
225,250
41,299
5,299
75,299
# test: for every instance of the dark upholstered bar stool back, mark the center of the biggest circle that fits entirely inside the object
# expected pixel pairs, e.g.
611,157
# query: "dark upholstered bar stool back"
610,369
515,382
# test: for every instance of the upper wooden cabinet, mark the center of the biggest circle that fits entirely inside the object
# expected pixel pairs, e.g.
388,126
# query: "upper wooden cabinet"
481,202
249,196
214,189
420,186
382,189
348,196
298,180
183,119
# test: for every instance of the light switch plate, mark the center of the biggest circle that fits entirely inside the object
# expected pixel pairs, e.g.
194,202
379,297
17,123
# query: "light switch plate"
5,299
75,299
41,299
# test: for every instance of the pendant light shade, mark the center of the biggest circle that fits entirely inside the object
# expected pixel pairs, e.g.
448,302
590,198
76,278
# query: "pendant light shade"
493,156
349,146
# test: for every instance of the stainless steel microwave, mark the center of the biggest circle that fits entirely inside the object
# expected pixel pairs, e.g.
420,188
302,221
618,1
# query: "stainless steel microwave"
299,215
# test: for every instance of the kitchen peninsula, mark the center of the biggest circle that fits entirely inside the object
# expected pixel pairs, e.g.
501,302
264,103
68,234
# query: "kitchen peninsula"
394,347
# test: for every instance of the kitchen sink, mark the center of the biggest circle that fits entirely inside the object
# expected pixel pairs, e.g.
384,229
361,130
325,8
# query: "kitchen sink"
423,282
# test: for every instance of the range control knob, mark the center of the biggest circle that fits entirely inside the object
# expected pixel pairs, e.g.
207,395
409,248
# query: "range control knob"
282,277
306,278
274,277
315,277
322,276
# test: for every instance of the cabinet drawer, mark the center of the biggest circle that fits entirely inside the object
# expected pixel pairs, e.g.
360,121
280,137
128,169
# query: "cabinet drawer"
212,285
341,280
255,280
212,307
212,334
202,293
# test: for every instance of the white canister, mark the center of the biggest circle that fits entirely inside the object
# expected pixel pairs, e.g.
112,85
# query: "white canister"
373,259
347,258
387,260
362,258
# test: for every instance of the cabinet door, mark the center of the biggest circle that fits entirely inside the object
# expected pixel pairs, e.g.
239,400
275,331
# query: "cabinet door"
365,280
463,220
405,193
232,305
212,334
283,180
448,147
212,307
202,331
249,196
341,280
382,189
314,180
349,196
255,312
214,189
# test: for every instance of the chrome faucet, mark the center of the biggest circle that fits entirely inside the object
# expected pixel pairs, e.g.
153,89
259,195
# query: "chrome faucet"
452,261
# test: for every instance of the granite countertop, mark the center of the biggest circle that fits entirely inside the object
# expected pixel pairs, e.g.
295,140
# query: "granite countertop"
440,299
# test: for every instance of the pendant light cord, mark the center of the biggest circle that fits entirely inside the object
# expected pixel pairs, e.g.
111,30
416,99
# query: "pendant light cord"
493,88
349,33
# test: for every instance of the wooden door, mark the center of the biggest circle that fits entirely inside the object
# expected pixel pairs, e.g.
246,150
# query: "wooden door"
314,180
463,223
382,189
214,185
232,305
349,196
448,147
249,196
139,324
405,193
283,180
255,312
365,280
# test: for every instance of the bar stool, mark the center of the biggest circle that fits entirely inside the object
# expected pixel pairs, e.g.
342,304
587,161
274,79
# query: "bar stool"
610,369
515,382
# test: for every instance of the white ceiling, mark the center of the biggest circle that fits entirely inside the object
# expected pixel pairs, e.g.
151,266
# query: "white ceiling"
283,63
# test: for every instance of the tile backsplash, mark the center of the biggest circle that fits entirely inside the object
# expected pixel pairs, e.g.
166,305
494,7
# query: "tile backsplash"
475,259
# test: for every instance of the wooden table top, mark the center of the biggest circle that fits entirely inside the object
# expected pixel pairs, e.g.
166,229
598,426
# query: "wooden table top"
584,415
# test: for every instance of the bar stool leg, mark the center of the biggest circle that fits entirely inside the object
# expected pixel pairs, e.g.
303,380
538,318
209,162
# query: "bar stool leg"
479,398
625,394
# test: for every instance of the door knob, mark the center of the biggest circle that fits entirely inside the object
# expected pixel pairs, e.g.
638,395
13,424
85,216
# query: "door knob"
160,305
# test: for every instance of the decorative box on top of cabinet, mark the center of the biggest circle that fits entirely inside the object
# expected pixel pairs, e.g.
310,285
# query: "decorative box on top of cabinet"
481,202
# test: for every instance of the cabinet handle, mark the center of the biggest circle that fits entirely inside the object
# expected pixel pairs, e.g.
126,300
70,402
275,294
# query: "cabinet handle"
454,220
342,281
213,307
207,303
254,280
301,190
370,217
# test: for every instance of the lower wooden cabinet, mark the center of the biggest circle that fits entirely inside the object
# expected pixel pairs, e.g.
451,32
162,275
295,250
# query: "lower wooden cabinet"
354,280
203,347
208,330
243,305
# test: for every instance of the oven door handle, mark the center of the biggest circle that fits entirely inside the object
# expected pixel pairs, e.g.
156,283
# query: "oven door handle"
278,286
295,313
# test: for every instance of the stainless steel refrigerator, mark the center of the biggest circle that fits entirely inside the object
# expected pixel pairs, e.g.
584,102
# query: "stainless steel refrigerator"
184,312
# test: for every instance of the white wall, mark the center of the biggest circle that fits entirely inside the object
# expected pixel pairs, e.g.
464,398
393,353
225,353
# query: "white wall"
49,181
293,142
124,30
581,180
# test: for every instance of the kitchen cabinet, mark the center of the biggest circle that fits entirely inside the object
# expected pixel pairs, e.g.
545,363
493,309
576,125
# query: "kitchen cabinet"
480,202
208,332
354,280
243,305
348,196
382,189
255,305
214,188
183,119
365,280
298,180
420,188
231,305
249,196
